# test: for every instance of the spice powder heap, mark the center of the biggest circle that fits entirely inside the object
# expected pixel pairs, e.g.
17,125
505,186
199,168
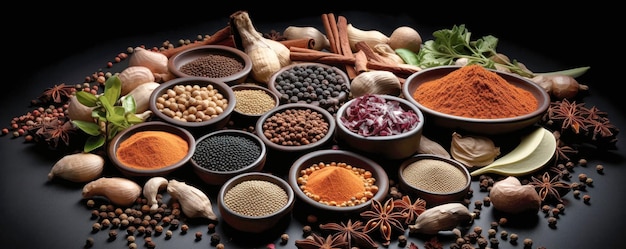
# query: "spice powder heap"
152,150
475,92
337,184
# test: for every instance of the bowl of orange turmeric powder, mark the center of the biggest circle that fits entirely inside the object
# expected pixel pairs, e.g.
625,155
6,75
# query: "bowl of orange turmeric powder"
335,181
476,99
152,148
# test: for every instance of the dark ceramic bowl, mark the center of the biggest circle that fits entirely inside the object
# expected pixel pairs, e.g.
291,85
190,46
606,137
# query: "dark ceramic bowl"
303,148
224,154
435,179
243,117
282,84
253,223
114,144
477,125
178,62
398,146
198,128
329,156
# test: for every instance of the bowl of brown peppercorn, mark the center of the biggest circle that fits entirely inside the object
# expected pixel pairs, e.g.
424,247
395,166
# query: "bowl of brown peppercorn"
217,62
296,128
198,104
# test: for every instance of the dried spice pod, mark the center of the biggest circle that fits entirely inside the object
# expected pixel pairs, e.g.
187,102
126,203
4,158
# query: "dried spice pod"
473,151
510,196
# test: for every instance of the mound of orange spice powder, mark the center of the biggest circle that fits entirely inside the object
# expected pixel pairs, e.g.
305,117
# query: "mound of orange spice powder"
475,92
337,184
152,150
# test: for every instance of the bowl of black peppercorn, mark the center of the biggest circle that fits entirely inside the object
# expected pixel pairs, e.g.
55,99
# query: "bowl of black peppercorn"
224,154
216,62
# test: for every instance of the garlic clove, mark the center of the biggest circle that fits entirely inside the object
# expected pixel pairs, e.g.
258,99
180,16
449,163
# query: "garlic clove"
78,111
133,76
321,41
155,61
151,189
119,191
193,202
371,37
141,94
443,217
473,151
79,167
375,82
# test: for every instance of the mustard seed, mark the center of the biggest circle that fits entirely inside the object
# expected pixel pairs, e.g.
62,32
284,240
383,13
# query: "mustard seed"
168,234
198,235
132,246
528,242
504,235
112,234
284,238
184,228
514,237
211,228
130,239
600,168
586,198
552,221
96,227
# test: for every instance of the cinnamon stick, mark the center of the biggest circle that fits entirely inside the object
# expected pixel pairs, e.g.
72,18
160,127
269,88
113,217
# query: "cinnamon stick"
301,43
360,62
369,52
330,26
218,37
344,43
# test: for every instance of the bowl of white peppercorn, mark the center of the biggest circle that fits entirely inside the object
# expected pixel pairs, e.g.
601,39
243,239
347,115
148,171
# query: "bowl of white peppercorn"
252,102
217,62
256,202
224,154
198,104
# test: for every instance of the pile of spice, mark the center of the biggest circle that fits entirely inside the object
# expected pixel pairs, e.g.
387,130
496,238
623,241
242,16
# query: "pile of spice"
226,152
255,198
152,150
253,101
475,92
213,66
295,127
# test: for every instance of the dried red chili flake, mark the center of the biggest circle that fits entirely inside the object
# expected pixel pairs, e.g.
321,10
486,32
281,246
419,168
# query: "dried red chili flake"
373,115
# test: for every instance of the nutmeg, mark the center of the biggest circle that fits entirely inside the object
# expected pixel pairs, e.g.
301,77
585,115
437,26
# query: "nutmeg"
510,196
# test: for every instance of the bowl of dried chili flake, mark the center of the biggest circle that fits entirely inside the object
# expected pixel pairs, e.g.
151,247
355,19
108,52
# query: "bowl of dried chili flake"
381,125
216,62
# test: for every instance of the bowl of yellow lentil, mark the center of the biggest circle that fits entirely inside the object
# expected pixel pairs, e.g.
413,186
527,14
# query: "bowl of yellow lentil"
252,102
198,104
256,202
434,179
217,62
335,181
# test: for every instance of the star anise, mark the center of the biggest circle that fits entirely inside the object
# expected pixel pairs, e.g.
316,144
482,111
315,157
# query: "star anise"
550,187
351,231
57,94
318,242
563,151
384,218
569,114
410,209
602,127
54,130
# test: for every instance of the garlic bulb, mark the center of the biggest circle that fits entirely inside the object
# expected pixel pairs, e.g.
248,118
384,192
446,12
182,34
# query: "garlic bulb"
321,41
443,217
133,76
375,82
268,56
194,202
151,189
119,191
510,196
391,57
155,61
371,37
141,94
473,151
79,167
78,111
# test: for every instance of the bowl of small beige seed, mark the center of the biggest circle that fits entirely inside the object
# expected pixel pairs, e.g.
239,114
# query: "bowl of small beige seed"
252,102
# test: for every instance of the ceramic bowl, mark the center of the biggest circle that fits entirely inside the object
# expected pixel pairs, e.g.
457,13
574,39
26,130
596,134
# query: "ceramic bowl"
198,128
224,154
328,157
123,135
306,80
251,222
477,125
261,128
397,146
219,57
435,179
243,116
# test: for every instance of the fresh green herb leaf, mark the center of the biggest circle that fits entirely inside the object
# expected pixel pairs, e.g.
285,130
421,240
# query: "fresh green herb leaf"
87,99
90,128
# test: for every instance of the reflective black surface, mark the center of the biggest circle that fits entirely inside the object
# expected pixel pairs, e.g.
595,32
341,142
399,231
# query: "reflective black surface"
37,213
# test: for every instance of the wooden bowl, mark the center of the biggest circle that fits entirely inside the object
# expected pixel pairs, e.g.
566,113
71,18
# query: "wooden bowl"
177,62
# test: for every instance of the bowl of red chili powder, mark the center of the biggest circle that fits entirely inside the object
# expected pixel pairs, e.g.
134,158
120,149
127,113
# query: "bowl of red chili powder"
152,148
334,181
216,62
476,99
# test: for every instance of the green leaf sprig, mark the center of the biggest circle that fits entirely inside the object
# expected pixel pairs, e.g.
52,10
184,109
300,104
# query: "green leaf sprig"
111,112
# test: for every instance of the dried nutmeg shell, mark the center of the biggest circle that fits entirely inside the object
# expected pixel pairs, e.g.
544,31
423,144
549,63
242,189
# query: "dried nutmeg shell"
510,196
473,151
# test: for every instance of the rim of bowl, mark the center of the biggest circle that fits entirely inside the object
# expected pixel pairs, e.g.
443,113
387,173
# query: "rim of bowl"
224,89
382,179
238,133
450,161
269,92
257,176
540,94
162,126
418,128
181,58
280,108
272,81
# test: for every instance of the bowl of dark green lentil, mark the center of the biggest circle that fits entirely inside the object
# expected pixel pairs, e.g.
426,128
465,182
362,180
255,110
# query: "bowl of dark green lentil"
224,154
311,83
217,62
296,128
198,104
252,102
255,202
